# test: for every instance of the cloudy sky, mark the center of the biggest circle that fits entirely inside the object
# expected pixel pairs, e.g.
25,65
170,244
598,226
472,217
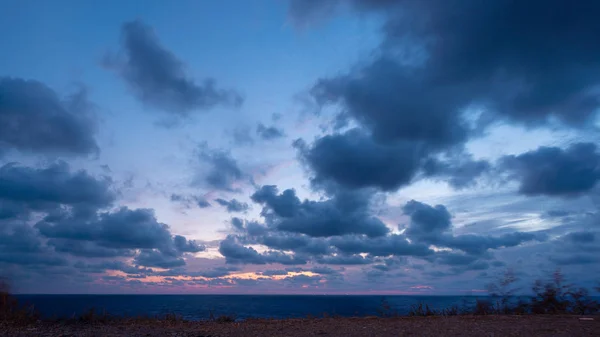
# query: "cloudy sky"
297,146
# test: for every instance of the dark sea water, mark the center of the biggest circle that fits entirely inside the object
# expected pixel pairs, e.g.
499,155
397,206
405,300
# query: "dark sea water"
199,307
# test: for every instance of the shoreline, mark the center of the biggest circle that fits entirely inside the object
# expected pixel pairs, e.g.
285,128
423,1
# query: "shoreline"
466,325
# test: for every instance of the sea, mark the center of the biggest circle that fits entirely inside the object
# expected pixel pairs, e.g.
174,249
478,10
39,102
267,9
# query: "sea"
202,307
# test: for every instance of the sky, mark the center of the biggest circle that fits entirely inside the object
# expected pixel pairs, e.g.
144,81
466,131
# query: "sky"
298,146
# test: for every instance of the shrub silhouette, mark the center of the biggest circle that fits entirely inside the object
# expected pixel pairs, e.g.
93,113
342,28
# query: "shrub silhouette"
10,310
581,302
551,297
504,292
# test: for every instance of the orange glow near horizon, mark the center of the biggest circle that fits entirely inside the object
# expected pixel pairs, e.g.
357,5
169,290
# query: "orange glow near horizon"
240,276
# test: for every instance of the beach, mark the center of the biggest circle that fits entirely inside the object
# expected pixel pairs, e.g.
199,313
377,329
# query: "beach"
539,325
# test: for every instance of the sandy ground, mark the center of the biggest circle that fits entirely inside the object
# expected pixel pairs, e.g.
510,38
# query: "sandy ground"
403,326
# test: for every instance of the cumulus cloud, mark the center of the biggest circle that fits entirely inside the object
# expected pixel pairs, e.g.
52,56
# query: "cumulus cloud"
505,67
425,219
235,252
224,172
20,245
342,260
51,185
124,228
390,245
553,171
355,160
297,232
52,216
299,243
426,91
233,205
216,272
156,258
34,118
189,200
581,237
87,249
269,133
459,172
160,79
401,114
432,225
345,213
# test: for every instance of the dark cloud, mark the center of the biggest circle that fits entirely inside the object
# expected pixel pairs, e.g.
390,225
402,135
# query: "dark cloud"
215,272
159,79
390,245
235,252
553,171
459,173
401,113
324,270
574,259
21,245
581,237
490,54
432,225
558,213
303,280
102,267
345,213
124,228
443,73
252,228
291,226
425,219
269,133
87,249
118,234
202,203
184,245
33,118
298,243
156,258
274,272
188,201
33,259
345,260
224,172
477,265
53,185
52,213
237,223
233,205
478,244
285,204
353,159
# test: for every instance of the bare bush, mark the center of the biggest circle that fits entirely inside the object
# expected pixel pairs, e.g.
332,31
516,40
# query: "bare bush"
421,310
550,297
10,310
504,291
581,303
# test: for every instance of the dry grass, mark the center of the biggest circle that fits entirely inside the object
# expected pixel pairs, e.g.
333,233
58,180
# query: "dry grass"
467,325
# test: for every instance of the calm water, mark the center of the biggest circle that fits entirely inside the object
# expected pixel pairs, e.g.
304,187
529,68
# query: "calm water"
197,307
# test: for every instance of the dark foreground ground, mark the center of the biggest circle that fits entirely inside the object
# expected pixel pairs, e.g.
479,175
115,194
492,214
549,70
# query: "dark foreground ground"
403,326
